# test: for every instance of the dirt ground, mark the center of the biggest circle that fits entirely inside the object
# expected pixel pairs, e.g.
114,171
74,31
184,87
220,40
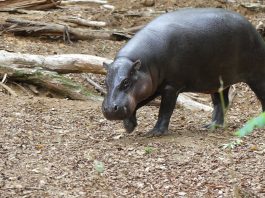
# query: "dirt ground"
52,147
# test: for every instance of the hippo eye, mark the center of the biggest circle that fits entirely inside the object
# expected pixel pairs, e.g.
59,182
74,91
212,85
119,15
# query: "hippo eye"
125,83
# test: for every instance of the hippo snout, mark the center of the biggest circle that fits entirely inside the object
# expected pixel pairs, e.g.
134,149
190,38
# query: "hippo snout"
115,111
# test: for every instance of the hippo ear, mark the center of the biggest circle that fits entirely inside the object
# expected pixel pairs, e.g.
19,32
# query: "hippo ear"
137,65
106,65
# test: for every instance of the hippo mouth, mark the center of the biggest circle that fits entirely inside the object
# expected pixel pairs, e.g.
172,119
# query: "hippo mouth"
119,114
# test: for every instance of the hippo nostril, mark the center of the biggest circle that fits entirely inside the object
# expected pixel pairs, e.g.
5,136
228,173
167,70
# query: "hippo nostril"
116,108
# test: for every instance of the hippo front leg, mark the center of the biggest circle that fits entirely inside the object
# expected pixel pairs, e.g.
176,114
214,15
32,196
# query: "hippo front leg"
131,122
168,102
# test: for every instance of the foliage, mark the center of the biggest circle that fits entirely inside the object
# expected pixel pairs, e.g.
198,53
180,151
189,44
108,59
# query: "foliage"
232,144
99,166
257,122
148,149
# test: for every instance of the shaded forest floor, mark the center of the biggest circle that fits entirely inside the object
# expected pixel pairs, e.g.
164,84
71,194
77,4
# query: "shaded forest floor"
51,147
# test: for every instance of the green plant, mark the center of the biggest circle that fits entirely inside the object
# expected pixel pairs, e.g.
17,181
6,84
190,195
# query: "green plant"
99,166
232,144
148,149
257,122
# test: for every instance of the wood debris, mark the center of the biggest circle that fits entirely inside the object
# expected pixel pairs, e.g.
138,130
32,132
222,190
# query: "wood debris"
29,4
33,28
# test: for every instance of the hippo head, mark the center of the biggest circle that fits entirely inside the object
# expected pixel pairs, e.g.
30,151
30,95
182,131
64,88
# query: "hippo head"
125,84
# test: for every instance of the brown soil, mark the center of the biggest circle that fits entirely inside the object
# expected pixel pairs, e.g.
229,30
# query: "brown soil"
54,147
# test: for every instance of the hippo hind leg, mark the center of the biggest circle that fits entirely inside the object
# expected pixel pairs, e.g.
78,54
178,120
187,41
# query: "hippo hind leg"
258,87
219,111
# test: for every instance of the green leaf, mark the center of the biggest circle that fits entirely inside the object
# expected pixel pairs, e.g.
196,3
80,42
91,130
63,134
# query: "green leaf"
232,144
260,120
148,149
257,122
99,166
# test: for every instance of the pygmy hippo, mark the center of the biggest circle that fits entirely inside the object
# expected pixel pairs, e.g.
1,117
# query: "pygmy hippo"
184,51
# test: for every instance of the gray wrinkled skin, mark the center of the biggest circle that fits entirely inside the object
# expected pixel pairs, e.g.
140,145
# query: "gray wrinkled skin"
184,51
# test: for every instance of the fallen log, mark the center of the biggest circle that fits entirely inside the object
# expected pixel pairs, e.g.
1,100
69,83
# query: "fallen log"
62,64
43,71
26,27
188,103
27,68
53,81
29,4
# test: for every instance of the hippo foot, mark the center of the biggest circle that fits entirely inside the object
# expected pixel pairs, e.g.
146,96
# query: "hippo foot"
130,124
156,132
213,125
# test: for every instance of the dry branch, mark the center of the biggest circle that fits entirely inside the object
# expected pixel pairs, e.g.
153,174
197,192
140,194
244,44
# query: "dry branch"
26,27
84,22
8,89
134,29
82,2
148,13
97,86
63,64
29,4
108,7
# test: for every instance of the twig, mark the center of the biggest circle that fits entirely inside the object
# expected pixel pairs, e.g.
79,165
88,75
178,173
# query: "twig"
8,89
4,78
147,13
71,2
97,86
22,88
84,22
134,29
108,7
